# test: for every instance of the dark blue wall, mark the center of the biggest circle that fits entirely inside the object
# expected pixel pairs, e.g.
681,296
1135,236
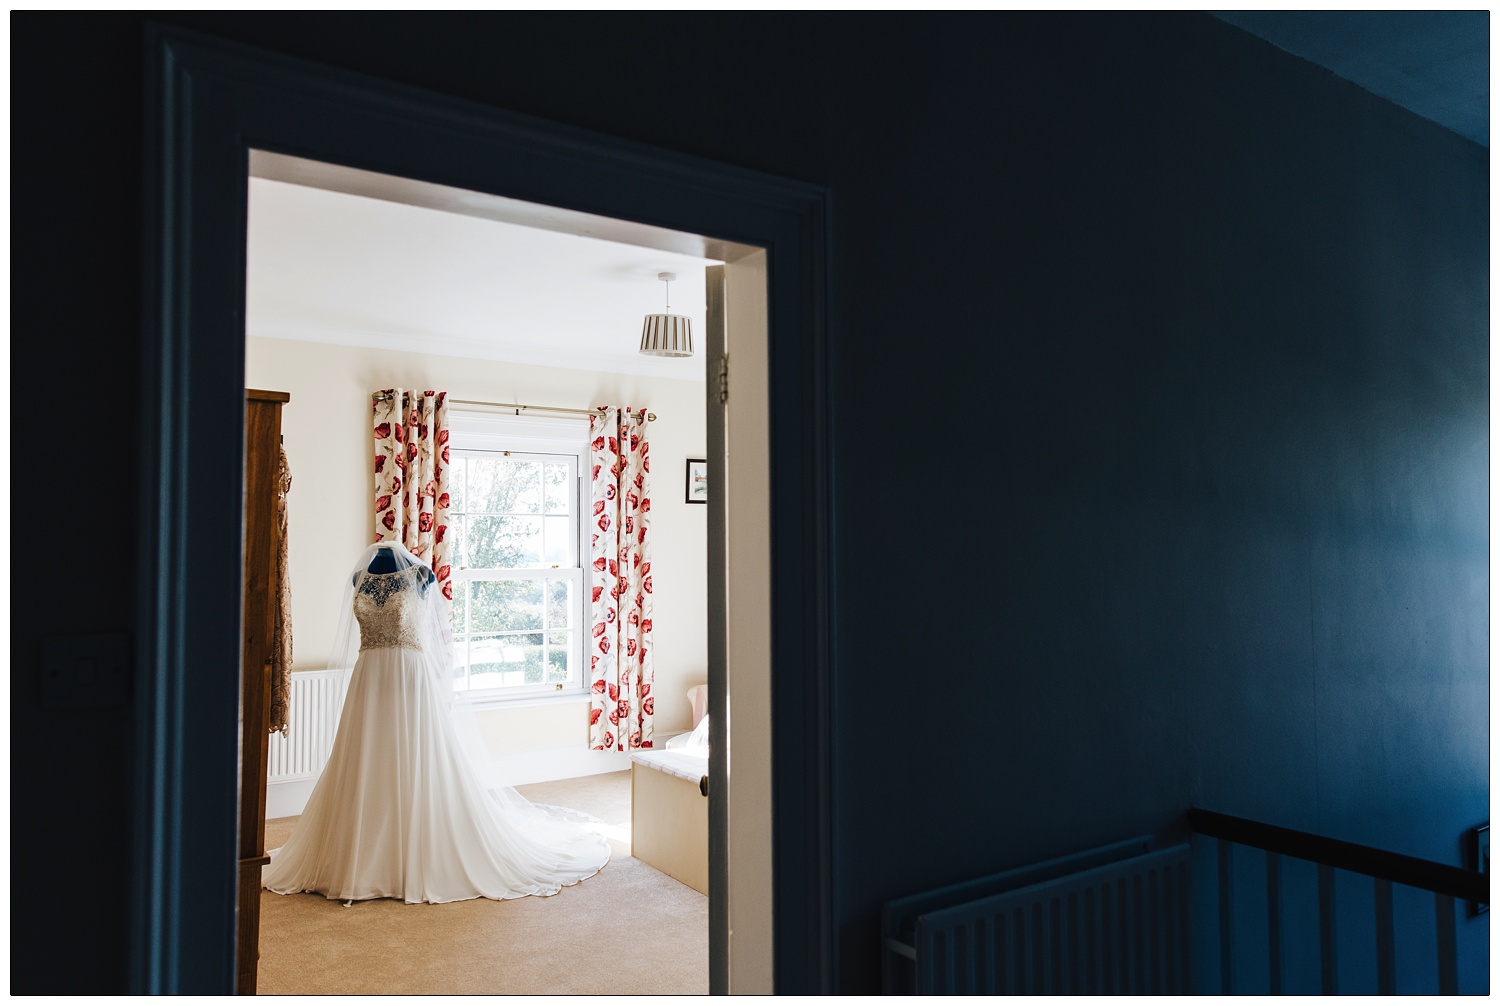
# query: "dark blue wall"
1203,381
1160,368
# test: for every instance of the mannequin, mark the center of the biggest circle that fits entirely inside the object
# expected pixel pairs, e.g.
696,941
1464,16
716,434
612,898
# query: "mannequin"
384,561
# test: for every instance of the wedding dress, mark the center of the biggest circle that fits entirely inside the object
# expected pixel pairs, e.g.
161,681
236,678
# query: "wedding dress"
405,807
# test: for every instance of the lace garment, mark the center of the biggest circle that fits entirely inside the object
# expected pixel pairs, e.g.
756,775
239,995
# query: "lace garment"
389,608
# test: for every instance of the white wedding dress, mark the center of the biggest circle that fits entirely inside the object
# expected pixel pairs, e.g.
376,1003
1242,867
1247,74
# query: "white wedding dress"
401,810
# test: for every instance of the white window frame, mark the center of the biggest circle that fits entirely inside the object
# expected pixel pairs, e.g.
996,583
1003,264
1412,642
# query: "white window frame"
479,433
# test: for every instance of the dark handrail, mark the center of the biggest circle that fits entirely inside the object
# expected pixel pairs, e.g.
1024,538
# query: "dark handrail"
1439,878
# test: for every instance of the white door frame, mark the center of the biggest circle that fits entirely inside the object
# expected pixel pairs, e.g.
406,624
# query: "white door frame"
208,104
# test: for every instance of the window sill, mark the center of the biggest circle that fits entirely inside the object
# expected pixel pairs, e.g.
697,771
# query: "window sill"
489,702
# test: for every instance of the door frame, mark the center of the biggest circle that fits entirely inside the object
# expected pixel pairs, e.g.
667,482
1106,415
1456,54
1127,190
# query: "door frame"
208,103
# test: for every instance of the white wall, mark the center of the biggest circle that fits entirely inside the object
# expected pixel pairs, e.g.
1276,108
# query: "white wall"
326,432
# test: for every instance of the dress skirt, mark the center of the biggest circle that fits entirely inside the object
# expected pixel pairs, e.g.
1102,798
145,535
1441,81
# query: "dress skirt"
400,812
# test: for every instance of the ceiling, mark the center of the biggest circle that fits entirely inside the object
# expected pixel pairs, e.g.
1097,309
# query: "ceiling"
1433,63
327,266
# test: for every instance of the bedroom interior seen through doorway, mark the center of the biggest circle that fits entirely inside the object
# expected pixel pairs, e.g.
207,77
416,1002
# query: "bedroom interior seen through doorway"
297,325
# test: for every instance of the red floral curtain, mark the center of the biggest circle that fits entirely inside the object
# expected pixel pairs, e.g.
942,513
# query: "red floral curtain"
411,475
620,553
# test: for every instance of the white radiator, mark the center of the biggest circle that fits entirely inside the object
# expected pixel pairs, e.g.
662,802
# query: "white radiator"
1104,921
296,760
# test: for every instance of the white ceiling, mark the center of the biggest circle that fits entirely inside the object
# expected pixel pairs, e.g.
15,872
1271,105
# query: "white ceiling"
330,267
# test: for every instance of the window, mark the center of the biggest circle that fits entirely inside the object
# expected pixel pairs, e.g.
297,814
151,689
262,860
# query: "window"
518,589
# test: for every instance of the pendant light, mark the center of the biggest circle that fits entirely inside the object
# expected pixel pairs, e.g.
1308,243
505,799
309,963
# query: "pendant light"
667,334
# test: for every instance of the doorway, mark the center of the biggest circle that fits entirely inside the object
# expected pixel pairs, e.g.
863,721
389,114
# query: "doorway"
209,104
359,281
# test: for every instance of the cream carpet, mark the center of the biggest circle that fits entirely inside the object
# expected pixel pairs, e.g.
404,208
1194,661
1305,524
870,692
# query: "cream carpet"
628,930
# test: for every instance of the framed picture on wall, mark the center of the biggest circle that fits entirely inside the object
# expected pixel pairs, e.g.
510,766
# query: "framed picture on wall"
697,480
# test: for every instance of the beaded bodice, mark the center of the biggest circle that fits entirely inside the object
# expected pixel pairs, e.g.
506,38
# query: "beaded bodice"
389,608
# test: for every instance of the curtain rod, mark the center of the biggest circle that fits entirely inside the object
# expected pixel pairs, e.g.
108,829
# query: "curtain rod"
381,396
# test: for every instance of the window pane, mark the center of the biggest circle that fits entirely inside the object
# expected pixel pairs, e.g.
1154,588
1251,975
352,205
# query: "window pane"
460,666
526,483
504,542
559,656
499,605
559,492
486,661
460,606
504,486
503,661
456,485
456,539
560,544
484,479
559,604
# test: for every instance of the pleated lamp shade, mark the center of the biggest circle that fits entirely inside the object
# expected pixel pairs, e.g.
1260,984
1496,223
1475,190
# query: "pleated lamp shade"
667,335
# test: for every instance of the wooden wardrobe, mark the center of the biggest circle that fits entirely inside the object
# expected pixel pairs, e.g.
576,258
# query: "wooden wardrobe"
262,460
